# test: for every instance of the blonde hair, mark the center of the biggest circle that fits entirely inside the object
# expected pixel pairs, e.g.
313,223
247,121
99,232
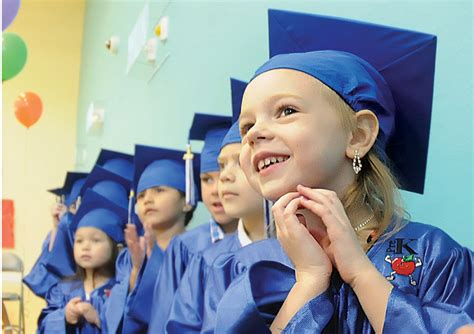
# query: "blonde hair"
375,185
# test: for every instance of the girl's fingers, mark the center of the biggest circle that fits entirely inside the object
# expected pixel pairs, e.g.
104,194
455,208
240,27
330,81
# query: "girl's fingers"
75,300
279,207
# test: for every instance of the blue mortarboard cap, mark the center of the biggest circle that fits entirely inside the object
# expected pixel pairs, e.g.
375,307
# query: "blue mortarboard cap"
71,178
385,69
97,211
212,129
109,185
57,191
155,166
237,88
116,162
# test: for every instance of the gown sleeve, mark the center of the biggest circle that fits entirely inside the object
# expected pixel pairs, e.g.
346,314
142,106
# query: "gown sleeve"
61,261
40,279
52,318
175,261
139,301
187,308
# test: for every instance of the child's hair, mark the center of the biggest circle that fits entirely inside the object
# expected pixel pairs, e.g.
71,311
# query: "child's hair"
109,267
190,213
375,185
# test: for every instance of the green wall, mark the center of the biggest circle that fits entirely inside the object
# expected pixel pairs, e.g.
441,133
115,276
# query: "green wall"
210,42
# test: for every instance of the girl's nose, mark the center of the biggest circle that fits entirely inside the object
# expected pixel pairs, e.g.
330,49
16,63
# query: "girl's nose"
226,175
258,132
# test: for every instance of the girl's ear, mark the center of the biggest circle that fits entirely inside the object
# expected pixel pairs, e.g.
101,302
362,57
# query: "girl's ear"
364,135
120,247
187,208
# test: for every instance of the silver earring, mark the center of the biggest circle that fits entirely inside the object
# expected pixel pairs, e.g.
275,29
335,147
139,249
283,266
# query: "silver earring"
356,164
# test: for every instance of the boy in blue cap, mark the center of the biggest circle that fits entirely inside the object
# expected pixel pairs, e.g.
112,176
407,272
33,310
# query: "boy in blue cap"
341,108
240,201
212,130
74,305
160,185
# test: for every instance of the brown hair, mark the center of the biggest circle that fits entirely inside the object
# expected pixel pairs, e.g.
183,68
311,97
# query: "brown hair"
375,185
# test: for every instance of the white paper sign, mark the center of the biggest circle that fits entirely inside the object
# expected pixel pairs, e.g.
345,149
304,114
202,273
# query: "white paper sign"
137,37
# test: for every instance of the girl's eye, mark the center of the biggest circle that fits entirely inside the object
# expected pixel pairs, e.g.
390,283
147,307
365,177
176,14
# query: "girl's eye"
207,180
221,166
286,111
245,128
140,195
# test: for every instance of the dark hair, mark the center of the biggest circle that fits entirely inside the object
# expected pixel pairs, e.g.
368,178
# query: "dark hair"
190,213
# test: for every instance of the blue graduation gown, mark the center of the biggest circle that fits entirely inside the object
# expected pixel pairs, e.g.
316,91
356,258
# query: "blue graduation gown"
115,306
139,301
61,260
433,291
177,257
40,279
229,267
188,305
52,318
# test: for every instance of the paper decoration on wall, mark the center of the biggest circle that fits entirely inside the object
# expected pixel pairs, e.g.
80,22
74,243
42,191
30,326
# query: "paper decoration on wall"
137,37
8,223
112,44
145,54
95,119
161,29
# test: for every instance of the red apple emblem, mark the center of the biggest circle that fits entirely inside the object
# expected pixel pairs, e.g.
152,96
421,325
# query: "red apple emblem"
404,265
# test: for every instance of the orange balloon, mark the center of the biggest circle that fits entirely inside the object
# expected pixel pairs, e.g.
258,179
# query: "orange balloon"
28,108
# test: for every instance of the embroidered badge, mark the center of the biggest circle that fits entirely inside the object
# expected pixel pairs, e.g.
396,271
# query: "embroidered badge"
107,292
403,265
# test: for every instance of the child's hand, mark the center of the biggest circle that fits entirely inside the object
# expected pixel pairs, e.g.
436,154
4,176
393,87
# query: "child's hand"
149,240
72,311
136,246
89,313
57,211
343,246
312,265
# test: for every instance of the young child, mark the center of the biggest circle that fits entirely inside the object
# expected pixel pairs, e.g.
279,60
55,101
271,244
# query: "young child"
239,201
74,304
111,166
212,130
314,128
41,278
160,186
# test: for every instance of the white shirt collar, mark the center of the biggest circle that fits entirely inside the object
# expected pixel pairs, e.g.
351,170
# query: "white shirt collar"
244,238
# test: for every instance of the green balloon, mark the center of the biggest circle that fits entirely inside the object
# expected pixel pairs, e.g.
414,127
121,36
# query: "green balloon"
14,55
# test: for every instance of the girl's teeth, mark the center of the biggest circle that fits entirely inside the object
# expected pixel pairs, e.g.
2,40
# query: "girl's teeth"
261,164
273,160
267,161
280,159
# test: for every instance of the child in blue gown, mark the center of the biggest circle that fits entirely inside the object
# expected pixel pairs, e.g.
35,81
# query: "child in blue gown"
357,265
160,185
183,248
240,201
41,278
74,304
